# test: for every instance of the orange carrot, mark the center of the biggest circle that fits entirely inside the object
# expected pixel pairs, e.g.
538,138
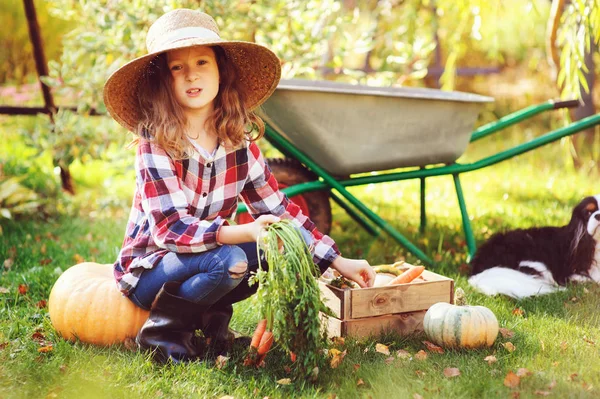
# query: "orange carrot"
258,333
406,277
265,343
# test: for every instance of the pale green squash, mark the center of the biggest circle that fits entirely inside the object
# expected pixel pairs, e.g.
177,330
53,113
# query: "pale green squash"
453,326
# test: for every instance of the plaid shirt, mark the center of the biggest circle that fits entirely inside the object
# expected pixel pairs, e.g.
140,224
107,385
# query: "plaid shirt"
180,205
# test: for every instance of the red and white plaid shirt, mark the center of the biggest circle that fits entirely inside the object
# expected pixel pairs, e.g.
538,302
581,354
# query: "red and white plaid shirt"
179,206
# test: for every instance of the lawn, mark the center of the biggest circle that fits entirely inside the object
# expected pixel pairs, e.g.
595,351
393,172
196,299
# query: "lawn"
554,338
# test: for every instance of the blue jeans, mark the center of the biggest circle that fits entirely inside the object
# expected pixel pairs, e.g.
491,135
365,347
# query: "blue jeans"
205,277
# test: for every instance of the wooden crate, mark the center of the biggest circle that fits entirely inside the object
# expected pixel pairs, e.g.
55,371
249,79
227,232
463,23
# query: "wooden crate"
370,311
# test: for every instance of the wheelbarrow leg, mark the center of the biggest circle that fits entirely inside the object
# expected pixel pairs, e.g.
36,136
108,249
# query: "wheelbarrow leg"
354,215
423,215
465,217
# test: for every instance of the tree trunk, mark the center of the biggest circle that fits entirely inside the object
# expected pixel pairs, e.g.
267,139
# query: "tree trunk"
66,180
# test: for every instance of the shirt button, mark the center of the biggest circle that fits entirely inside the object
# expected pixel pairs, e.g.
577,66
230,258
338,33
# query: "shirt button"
204,194
208,165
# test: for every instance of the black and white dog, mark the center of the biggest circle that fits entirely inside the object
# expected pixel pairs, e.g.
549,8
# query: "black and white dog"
527,262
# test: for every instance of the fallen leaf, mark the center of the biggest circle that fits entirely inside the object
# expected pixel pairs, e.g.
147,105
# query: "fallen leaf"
287,369
402,354
360,382
336,357
356,366
339,341
506,333
45,349
23,288
417,396
43,249
512,380
38,336
221,361
130,344
451,372
62,368
589,341
516,395
523,372
574,299
554,364
421,355
490,359
518,312
563,346
78,258
381,348
4,290
8,263
314,374
3,345
573,377
284,381
41,304
45,261
509,346
390,360
419,373
433,348
542,393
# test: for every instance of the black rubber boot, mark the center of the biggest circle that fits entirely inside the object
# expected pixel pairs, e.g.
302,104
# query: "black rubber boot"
169,330
220,338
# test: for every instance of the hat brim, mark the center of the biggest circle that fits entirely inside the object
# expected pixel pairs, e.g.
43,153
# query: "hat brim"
258,68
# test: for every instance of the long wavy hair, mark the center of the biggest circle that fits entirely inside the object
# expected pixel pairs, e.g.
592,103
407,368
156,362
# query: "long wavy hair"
163,120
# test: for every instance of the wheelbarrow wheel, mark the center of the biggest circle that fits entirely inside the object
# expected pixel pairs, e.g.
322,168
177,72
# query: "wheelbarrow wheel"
314,204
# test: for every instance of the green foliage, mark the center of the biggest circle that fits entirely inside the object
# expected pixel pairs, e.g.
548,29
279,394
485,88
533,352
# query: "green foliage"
580,27
16,58
16,199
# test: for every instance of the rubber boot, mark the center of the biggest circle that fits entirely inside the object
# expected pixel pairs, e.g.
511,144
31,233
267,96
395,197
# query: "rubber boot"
169,330
220,338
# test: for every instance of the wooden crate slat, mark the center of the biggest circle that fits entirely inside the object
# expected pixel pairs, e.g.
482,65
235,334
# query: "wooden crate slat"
398,299
403,324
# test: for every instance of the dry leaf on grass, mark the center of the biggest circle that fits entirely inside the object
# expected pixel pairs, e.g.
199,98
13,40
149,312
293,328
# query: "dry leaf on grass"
221,361
509,346
523,372
390,360
589,341
512,380
417,396
421,355
41,304
451,372
506,333
23,288
433,348
8,263
130,344
284,381
4,290
542,393
381,348
336,357
518,312
45,349
360,382
490,359
356,366
563,346
402,354
573,377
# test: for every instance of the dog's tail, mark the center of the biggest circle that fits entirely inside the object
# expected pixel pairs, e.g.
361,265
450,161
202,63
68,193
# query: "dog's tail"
516,284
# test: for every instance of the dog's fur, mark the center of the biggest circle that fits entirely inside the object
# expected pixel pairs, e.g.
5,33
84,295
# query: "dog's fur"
526,262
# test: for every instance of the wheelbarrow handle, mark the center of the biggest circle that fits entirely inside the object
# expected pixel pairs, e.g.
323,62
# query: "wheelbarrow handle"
573,103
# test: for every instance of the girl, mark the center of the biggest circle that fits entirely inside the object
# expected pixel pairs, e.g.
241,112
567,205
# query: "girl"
190,102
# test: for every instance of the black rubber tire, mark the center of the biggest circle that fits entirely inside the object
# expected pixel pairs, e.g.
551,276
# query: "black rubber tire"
289,172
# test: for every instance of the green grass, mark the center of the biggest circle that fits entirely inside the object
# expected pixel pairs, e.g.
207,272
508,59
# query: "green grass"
556,337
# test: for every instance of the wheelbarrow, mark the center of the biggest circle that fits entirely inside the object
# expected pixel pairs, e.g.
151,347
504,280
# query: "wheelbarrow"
337,135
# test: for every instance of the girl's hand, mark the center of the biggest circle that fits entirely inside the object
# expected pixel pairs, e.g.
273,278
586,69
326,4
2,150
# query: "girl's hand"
259,224
357,270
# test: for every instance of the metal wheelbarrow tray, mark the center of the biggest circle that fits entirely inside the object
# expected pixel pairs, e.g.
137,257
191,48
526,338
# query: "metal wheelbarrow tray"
337,130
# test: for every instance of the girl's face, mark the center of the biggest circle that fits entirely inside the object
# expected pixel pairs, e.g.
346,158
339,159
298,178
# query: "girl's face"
195,78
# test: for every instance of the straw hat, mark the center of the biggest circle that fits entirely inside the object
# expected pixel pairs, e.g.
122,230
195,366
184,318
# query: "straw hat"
258,68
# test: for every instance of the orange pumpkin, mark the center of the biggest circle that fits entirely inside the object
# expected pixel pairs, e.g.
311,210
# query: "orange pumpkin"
85,304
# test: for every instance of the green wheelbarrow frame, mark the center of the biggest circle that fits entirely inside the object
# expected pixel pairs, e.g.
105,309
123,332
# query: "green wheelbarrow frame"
366,217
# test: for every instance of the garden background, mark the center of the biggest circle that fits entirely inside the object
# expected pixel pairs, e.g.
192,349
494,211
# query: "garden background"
494,48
